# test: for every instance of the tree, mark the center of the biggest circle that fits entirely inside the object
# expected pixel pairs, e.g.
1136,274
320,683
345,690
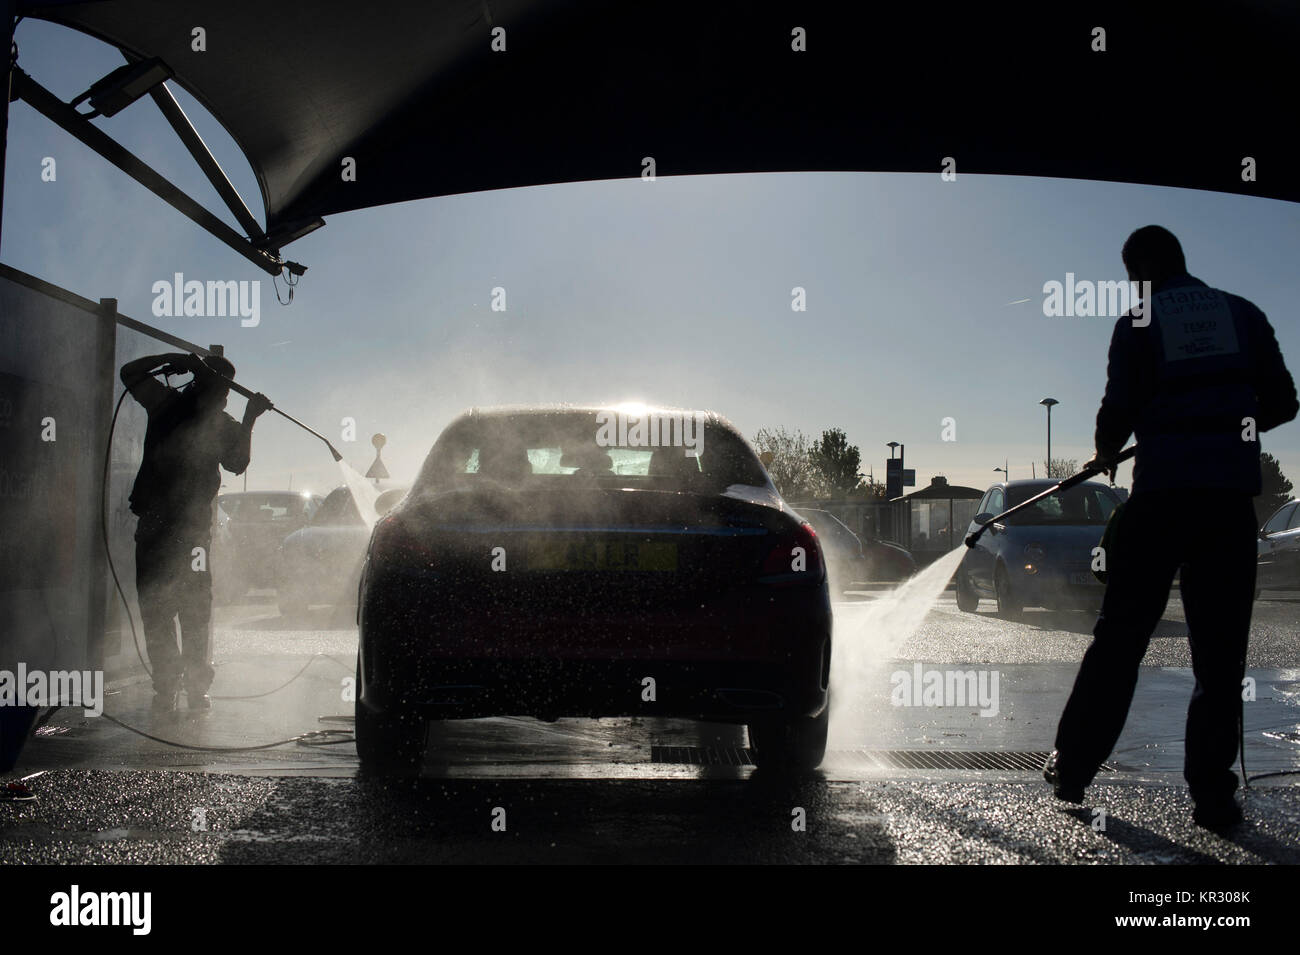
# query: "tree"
870,491
1275,489
1060,467
837,463
791,466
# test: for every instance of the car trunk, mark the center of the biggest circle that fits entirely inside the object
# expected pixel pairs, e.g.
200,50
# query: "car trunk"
576,572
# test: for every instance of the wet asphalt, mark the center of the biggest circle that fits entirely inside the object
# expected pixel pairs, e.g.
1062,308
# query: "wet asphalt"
517,790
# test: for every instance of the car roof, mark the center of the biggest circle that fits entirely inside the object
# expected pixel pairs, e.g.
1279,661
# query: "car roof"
502,412
1043,483
820,513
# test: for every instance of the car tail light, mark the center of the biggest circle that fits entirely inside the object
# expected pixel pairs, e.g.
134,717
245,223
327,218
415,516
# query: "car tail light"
796,557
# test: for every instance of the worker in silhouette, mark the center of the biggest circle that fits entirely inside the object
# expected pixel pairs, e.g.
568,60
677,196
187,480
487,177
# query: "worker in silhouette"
189,435
1196,377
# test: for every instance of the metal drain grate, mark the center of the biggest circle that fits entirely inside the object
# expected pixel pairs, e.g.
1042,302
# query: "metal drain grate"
702,755
867,758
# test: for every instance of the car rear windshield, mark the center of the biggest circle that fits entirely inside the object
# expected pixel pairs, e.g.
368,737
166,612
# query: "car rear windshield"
1081,505
571,448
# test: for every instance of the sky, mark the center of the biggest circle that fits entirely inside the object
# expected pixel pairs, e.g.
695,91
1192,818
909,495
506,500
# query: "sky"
924,298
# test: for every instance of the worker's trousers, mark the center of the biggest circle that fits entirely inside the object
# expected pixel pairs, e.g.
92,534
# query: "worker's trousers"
174,582
1211,535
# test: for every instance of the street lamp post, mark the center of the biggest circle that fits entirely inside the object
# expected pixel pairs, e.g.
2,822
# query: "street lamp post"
893,529
901,448
1048,402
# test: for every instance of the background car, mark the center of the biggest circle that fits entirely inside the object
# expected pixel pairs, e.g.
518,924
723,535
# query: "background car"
246,544
532,571
1041,557
851,559
1278,552
321,562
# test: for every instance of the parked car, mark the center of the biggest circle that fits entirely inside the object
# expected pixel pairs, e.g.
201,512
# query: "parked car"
246,544
1278,553
321,562
1041,557
532,571
850,559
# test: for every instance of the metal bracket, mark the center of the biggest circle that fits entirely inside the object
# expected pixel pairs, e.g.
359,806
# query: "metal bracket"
68,119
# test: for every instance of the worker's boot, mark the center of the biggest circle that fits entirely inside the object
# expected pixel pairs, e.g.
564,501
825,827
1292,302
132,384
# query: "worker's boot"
198,700
1064,788
165,701
1218,814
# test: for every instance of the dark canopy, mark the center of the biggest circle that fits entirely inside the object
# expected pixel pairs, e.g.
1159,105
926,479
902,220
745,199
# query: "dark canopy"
412,91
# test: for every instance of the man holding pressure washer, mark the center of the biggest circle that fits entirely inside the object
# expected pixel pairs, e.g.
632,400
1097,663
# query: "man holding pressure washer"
189,435
1196,377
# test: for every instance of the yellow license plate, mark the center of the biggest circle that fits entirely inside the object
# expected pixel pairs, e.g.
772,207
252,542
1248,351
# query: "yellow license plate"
606,555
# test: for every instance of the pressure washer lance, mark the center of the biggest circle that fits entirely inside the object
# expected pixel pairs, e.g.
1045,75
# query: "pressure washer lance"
248,393
1054,489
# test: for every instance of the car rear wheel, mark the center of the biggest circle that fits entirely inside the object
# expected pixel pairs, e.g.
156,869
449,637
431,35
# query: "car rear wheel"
1009,604
968,601
389,744
790,745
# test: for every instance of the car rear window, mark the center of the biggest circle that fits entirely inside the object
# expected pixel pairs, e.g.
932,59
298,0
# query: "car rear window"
1080,505
539,448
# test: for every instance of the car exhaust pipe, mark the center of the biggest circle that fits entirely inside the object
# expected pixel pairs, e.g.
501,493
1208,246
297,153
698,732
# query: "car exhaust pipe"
1054,489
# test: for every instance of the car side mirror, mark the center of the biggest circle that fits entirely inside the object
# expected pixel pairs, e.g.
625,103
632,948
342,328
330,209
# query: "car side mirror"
984,517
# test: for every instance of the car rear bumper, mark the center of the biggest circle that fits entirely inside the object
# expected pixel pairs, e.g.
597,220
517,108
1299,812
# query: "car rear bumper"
722,692
754,651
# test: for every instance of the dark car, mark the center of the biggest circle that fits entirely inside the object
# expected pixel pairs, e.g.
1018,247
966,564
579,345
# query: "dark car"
538,568
1278,553
1040,557
251,525
321,562
851,559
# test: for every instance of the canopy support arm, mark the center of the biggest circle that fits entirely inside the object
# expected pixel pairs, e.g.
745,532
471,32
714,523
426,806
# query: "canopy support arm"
67,118
207,162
